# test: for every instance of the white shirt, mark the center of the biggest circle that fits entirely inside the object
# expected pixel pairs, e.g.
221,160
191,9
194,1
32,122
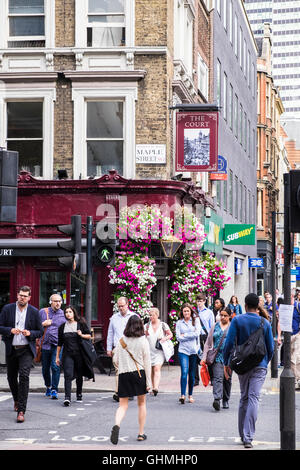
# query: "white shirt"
116,328
20,340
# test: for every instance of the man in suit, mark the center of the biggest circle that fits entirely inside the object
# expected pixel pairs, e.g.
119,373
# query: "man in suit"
20,325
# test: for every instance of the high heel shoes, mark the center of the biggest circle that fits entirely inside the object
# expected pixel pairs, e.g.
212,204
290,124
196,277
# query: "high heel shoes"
182,400
155,392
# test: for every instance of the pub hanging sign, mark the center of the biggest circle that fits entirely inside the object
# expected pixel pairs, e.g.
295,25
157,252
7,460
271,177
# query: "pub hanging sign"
197,141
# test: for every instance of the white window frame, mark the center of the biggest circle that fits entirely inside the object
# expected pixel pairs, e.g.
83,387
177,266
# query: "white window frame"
81,22
49,14
81,96
203,77
48,97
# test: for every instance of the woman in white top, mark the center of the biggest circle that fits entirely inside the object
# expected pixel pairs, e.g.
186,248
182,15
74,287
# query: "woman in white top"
156,330
132,356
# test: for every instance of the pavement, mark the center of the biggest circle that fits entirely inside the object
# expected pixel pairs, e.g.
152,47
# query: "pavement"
170,381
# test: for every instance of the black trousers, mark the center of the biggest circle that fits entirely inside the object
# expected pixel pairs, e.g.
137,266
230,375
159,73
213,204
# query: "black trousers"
73,366
18,371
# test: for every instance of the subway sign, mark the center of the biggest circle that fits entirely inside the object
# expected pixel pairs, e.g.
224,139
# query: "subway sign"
239,234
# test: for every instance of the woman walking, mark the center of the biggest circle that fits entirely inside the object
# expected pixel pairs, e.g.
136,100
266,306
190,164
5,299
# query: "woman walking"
215,341
219,304
132,356
156,331
70,336
187,334
235,307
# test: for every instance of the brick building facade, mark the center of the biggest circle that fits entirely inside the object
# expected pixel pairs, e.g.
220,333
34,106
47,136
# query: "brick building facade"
83,84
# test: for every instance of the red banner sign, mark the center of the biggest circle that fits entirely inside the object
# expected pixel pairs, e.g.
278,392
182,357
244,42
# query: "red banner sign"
197,141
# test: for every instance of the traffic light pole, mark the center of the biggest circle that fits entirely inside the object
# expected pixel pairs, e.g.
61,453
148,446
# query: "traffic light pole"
89,271
287,379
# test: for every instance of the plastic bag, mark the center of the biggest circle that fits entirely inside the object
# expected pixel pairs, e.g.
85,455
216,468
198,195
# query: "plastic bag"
204,374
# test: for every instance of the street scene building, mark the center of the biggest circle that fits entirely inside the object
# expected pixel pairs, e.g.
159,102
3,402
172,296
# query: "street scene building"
90,96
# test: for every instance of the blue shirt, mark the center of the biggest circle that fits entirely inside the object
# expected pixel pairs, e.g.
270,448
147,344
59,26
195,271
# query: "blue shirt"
241,328
217,336
208,319
237,309
189,343
296,318
58,318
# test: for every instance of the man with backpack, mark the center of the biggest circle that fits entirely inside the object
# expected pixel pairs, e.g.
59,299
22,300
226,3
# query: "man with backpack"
248,349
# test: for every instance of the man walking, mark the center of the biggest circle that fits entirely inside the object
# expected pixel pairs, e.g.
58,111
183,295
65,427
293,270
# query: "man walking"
242,326
52,317
117,325
20,326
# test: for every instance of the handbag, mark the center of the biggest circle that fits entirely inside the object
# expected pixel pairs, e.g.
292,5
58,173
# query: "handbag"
212,353
38,344
124,346
158,345
204,374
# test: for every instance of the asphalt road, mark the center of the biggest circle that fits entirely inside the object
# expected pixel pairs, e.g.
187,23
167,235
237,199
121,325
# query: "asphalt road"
170,425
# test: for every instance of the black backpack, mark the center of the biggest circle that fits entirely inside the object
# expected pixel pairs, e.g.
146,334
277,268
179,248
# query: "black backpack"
248,355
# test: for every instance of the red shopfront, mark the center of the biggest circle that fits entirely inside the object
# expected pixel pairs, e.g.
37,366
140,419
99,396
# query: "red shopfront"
29,252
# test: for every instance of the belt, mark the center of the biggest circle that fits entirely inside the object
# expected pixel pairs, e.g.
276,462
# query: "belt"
21,346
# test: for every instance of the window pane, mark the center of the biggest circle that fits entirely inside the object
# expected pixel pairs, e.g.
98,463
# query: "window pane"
77,295
106,19
24,120
105,37
104,119
52,283
26,26
30,155
26,6
106,6
104,156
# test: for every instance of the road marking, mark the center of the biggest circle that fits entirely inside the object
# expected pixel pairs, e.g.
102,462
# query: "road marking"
72,415
62,423
5,397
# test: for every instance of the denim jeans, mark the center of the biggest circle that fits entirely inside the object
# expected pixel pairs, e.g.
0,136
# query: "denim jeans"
49,364
250,385
188,370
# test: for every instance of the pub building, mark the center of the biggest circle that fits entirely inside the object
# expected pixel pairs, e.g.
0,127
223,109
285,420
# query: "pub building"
29,252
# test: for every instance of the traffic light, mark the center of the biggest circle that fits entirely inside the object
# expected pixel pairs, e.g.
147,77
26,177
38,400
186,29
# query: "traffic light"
76,262
294,218
105,243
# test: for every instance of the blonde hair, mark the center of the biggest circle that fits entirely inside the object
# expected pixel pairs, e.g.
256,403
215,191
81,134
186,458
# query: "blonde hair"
154,310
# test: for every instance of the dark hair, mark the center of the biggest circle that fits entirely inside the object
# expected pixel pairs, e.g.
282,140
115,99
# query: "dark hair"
201,297
25,289
222,302
252,300
280,300
193,314
134,327
77,317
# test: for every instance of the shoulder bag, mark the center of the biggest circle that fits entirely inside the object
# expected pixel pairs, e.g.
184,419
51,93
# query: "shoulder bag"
212,353
38,344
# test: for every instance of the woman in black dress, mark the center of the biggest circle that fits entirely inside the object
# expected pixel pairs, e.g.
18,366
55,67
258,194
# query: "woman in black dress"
70,335
132,356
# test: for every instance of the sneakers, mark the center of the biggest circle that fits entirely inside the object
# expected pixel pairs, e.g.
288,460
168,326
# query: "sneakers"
216,405
67,402
54,394
248,445
48,392
79,398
